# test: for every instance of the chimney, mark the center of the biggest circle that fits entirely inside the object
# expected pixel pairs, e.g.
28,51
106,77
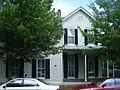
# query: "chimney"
59,12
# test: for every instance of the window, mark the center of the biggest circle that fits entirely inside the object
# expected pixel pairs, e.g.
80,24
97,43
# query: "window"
29,83
117,82
89,31
41,68
104,68
15,68
71,66
70,40
109,82
15,83
91,67
71,36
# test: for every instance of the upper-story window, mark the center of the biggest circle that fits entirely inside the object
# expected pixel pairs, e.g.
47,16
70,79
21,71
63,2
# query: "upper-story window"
87,40
71,36
89,31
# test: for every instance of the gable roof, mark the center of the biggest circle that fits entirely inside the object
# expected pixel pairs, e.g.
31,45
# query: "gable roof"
75,11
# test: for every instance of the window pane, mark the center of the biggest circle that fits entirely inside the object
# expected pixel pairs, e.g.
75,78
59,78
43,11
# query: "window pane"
72,31
41,63
117,82
91,66
109,82
29,83
15,83
41,72
71,72
91,33
38,63
71,40
71,66
41,68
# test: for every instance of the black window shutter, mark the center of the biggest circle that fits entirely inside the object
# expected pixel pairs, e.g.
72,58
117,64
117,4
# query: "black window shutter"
65,36
65,65
96,66
76,65
76,36
21,68
86,39
7,67
33,68
47,67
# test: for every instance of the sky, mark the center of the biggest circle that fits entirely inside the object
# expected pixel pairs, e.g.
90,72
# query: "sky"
67,6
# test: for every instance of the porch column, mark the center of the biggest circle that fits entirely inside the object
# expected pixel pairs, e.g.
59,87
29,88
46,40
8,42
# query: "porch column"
85,67
107,68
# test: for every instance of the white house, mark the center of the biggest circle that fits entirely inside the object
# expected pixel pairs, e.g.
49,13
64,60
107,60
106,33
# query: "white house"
70,63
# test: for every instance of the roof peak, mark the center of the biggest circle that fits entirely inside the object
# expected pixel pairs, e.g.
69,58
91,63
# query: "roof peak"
76,10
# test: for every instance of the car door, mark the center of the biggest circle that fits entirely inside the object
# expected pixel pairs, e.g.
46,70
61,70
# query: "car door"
14,85
30,84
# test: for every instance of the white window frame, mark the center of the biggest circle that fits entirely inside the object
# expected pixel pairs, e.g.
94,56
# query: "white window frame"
41,68
72,35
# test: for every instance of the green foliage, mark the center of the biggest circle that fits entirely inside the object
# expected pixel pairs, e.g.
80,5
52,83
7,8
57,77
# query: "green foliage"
31,27
106,26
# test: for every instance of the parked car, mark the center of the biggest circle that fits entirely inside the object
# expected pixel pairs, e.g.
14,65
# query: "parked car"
109,84
27,84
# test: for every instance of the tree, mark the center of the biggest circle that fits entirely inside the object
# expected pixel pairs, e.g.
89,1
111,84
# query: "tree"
106,26
31,27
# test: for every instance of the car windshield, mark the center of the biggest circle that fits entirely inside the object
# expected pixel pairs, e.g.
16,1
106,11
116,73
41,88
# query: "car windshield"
43,81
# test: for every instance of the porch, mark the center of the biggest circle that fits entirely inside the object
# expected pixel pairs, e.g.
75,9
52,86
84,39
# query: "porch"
79,67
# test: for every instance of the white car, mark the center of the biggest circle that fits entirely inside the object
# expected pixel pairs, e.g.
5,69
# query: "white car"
27,84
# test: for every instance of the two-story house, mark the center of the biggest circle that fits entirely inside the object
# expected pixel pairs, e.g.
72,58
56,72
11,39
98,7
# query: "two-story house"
68,65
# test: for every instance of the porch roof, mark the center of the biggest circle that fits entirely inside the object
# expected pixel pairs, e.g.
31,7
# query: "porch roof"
80,47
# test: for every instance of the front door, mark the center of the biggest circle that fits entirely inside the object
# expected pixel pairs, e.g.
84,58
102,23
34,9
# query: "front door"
71,66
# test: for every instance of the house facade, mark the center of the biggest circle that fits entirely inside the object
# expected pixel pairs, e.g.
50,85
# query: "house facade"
68,65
